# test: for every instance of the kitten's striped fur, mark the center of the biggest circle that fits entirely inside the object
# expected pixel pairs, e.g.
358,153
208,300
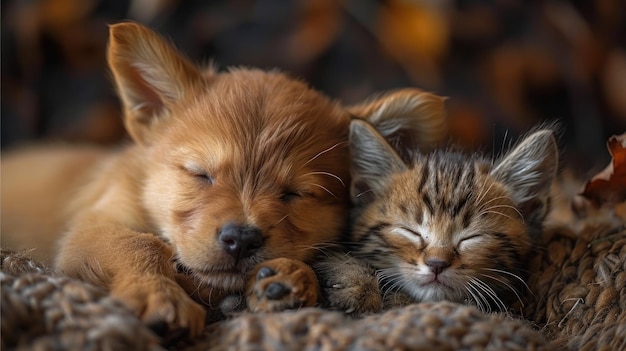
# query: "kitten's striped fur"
446,226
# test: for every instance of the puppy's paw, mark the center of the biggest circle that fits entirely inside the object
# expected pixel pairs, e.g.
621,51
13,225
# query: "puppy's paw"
281,284
162,304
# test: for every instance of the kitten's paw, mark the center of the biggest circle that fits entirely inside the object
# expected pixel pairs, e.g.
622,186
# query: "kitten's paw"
394,299
354,298
281,284
162,304
349,285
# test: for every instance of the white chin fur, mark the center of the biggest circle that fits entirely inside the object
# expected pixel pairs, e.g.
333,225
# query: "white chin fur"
424,291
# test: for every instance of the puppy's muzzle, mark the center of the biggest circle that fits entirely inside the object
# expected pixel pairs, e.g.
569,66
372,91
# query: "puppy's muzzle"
240,241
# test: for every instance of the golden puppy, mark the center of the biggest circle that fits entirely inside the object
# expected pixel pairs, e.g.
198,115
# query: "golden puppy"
227,170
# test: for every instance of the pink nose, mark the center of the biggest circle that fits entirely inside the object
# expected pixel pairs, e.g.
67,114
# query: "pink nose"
437,265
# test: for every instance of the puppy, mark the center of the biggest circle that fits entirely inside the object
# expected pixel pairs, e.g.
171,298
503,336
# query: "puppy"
226,170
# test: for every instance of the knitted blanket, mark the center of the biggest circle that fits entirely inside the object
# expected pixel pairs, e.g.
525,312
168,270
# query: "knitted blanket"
578,302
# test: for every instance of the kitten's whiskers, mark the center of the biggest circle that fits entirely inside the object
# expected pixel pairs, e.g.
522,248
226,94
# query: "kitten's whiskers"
512,275
390,278
481,293
497,213
492,294
506,206
494,199
507,285
478,297
484,192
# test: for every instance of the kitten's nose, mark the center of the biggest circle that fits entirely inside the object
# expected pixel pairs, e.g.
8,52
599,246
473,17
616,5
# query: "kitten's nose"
240,241
437,265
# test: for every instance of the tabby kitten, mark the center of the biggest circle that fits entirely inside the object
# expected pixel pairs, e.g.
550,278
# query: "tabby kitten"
446,226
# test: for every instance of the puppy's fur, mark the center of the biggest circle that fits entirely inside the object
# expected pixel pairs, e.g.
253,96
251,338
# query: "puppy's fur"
227,170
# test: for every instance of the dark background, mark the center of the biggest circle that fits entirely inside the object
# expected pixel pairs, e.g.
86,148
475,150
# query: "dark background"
505,65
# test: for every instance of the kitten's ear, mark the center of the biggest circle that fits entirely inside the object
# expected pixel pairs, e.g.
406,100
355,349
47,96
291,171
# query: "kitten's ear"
528,171
409,119
372,161
150,76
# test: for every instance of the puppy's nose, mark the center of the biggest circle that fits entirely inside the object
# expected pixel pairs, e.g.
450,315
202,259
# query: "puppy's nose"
240,241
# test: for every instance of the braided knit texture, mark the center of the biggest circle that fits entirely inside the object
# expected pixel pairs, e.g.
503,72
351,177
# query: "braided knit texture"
45,311
578,302
426,326
580,289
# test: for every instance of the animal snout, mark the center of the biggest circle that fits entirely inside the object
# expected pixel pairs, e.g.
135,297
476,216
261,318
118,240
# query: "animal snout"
437,265
240,241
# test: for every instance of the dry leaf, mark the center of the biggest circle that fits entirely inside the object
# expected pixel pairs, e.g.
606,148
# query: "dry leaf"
609,186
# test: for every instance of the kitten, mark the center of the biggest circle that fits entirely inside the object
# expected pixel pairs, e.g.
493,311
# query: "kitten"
442,226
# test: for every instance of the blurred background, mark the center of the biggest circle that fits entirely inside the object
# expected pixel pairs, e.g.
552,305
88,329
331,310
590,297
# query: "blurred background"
505,65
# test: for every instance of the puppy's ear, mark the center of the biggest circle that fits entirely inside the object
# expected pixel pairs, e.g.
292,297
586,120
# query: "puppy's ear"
409,119
150,76
372,161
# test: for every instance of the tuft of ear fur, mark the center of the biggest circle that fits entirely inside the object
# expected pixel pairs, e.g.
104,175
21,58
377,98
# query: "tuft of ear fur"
373,159
150,76
528,171
409,119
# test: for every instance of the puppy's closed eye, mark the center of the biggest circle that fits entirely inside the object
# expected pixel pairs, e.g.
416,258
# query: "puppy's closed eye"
289,196
205,178
199,173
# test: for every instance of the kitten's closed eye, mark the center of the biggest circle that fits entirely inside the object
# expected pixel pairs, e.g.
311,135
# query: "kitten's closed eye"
469,241
408,233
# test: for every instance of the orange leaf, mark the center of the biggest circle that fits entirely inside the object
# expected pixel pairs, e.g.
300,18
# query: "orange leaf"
609,186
